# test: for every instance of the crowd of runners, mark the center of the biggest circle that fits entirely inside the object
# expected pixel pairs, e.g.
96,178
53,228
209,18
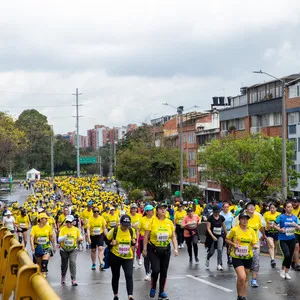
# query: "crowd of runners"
68,215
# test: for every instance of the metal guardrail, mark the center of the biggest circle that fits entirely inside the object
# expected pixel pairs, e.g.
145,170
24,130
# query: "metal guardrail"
19,274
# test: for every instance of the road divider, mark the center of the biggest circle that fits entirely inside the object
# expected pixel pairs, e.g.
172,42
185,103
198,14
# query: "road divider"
19,274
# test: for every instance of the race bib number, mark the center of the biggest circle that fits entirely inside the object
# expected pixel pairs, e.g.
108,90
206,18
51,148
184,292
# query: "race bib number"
113,224
180,222
124,249
217,230
42,240
69,242
162,236
97,231
290,231
22,225
242,251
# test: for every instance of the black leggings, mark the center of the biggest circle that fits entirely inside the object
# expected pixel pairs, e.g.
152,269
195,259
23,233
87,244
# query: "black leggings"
146,259
115,263
287,249
192,242
179,233
159,265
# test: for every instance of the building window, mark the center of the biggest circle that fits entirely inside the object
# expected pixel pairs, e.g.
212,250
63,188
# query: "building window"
192,172
277,119
191,138
191,155
292,129
293,118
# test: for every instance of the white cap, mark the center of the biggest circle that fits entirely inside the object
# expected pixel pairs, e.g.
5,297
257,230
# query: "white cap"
8,213
69,218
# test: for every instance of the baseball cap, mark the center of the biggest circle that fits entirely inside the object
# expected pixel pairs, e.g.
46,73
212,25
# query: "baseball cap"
133,205
162,204
243,215
125,220
216,208
250,203
8,213
148,207
69,218
189,210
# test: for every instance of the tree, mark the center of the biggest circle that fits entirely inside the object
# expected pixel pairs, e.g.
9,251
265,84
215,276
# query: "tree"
191,192
38,132
146,166
12,143
64,155
251,164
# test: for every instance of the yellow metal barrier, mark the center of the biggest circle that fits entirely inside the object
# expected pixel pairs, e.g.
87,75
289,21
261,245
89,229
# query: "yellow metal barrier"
18,273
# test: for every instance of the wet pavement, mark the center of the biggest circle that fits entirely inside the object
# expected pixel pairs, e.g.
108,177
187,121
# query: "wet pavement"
185,281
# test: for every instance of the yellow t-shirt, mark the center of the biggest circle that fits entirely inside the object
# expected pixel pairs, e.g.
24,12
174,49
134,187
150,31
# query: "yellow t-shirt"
105,215
296,212
41,235
255,223
179,215
96,225
161,232
245,239
85,215
270,219
51,221
135,220
123,247
112,221
144,225
73,234
22,222
257,208
233,208
62,220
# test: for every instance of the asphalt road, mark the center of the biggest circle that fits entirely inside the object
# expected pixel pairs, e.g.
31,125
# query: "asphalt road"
185,281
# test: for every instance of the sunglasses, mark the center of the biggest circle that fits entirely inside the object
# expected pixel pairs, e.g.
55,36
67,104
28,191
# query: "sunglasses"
68,222
96,211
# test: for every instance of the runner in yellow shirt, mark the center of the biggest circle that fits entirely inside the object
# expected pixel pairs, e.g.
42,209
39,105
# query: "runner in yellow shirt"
22,223
69,235
96,231
179,215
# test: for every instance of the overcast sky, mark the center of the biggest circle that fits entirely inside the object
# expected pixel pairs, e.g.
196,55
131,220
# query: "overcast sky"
128,57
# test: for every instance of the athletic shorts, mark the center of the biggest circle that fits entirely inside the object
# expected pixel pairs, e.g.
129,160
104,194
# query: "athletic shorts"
97,241
238,262
297,238
22,229
273,235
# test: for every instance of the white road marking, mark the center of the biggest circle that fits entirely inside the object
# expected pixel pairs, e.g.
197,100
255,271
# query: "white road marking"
210,283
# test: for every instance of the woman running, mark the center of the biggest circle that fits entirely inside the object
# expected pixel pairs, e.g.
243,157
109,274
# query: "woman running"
271,233
190,225
9,221
96,231
122,239
286,224
159,234
22,224
216,232
179,215
68,237
242,239
144,224
41,239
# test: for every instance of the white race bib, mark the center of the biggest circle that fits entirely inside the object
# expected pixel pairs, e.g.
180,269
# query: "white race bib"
242,251
69,242
42,240
217,230
113,224
180,222
124,249
290,231
22,225
162,236
96,231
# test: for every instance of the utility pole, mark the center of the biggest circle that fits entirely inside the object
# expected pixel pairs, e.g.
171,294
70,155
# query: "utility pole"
115,156
77,132
284,129
100,164
111,154
52,157
180,111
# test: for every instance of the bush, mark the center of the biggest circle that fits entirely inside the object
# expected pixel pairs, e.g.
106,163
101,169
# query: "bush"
136,194
191,192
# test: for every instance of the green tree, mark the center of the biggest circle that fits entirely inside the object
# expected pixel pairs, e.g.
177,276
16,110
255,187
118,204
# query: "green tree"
12,143
38,132
191,192
251,164
146,166
64,155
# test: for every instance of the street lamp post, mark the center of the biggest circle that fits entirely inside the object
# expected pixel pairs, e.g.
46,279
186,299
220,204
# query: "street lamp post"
180,112
284,130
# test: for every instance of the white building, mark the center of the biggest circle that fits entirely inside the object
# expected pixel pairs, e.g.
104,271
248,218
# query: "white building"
122,132
99,137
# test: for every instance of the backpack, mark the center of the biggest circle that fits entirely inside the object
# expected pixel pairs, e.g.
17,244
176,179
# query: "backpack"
107,241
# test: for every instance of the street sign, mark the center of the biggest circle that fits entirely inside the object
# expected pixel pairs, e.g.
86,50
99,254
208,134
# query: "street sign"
87,160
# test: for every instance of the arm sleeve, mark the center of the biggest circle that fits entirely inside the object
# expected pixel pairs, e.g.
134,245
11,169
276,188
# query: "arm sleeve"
61,238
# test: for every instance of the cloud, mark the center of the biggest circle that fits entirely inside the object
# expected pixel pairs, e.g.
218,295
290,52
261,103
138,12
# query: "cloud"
127,57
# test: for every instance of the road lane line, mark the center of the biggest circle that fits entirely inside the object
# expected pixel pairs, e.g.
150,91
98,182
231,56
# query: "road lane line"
210,283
